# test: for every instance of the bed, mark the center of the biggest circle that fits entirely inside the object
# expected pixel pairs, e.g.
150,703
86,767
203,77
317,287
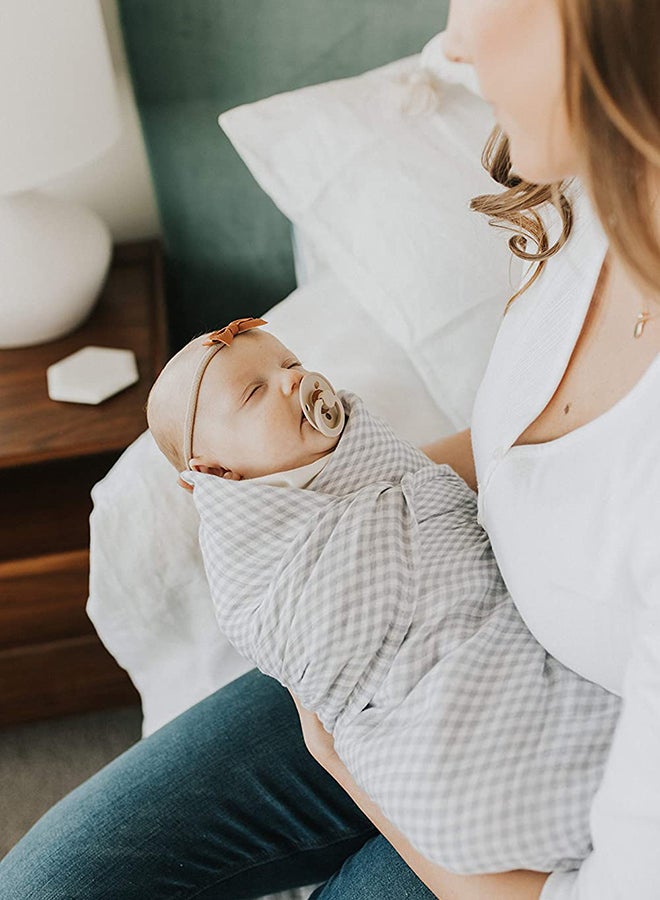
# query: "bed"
372,175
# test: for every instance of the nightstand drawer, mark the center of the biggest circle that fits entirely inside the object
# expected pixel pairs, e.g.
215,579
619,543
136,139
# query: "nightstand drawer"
61,677
43,598
46,506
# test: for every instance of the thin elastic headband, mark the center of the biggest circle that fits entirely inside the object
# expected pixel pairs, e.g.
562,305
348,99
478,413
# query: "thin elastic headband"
215,341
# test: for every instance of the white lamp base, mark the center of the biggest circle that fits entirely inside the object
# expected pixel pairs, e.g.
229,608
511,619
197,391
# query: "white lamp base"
54,256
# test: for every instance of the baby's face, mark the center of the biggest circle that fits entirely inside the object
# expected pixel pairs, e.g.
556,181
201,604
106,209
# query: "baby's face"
249,420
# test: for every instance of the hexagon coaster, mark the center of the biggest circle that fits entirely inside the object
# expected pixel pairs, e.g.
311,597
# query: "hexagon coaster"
91,375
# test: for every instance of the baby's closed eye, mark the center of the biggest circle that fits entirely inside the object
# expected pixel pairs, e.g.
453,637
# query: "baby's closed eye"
291,365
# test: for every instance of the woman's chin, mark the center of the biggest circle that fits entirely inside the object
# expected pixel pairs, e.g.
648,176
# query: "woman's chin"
528,166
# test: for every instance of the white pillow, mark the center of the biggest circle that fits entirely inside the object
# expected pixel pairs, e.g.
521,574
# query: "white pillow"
308,258
377,171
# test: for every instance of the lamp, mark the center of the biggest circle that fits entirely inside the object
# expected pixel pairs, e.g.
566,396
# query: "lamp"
58,110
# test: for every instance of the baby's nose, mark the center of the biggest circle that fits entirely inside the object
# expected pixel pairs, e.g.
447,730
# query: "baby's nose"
291,380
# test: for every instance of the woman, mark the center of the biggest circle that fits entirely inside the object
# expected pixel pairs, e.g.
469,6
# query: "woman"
226,801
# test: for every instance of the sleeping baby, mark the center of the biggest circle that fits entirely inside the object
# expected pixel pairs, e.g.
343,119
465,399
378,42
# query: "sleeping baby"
346,564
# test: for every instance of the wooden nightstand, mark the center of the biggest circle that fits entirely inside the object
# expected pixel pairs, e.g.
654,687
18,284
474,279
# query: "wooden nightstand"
51,454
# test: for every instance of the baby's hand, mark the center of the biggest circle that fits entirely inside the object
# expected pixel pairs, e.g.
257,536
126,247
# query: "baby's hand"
184,484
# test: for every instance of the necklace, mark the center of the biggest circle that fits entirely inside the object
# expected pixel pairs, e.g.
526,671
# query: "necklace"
642,318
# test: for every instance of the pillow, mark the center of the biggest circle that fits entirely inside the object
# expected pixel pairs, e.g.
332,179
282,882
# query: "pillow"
307,259
377,172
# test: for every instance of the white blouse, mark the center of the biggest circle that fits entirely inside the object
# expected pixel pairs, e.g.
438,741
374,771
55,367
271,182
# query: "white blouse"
575,528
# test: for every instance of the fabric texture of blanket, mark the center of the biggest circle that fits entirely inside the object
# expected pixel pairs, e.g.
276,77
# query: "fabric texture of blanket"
373,594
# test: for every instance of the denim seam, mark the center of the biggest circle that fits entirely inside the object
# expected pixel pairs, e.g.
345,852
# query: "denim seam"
264,860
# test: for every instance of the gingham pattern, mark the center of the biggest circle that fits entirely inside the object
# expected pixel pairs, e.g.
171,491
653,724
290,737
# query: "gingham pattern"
374,595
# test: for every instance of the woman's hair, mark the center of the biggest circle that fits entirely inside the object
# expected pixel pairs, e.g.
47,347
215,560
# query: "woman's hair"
612,79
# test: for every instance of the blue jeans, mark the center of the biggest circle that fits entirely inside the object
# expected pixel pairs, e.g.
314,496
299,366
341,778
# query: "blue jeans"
222,803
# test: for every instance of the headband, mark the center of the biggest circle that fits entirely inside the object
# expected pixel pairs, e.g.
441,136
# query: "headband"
215,341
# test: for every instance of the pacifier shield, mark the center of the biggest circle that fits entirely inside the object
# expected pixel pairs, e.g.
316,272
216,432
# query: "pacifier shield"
322,407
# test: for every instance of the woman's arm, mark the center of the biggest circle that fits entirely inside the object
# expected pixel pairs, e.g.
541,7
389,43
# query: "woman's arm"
455,451
517,885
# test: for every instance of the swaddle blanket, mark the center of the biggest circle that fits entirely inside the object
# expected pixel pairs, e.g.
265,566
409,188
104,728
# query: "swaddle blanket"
375,597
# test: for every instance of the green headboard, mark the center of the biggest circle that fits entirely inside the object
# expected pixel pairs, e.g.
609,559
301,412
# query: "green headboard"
227,248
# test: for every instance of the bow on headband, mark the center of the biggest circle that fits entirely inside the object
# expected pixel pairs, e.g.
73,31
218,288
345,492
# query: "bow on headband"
227,334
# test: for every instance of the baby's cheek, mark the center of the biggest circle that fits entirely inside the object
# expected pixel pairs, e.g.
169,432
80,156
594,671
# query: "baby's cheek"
278,440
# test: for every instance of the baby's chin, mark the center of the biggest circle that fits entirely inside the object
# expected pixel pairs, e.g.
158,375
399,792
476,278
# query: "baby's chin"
319,444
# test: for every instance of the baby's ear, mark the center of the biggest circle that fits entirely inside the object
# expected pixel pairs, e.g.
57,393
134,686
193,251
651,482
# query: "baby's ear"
220,471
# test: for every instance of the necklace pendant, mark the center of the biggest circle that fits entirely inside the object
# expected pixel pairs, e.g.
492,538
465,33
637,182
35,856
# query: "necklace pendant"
639,326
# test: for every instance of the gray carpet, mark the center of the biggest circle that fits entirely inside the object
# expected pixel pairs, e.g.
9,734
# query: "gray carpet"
42,761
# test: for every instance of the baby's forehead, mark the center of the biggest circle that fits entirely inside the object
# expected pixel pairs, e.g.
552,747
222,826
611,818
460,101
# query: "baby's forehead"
251,349
232,366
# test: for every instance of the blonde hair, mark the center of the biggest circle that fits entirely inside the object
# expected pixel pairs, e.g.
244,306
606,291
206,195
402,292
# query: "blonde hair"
164,431
167,402
613,114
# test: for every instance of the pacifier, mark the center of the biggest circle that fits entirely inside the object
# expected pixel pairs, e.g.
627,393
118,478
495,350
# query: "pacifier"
322,407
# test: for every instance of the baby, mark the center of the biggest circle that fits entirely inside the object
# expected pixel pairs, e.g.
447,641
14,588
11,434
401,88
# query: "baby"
254,411
349,566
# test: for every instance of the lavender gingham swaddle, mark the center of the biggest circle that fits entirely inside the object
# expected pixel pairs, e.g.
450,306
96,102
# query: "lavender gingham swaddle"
374,595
